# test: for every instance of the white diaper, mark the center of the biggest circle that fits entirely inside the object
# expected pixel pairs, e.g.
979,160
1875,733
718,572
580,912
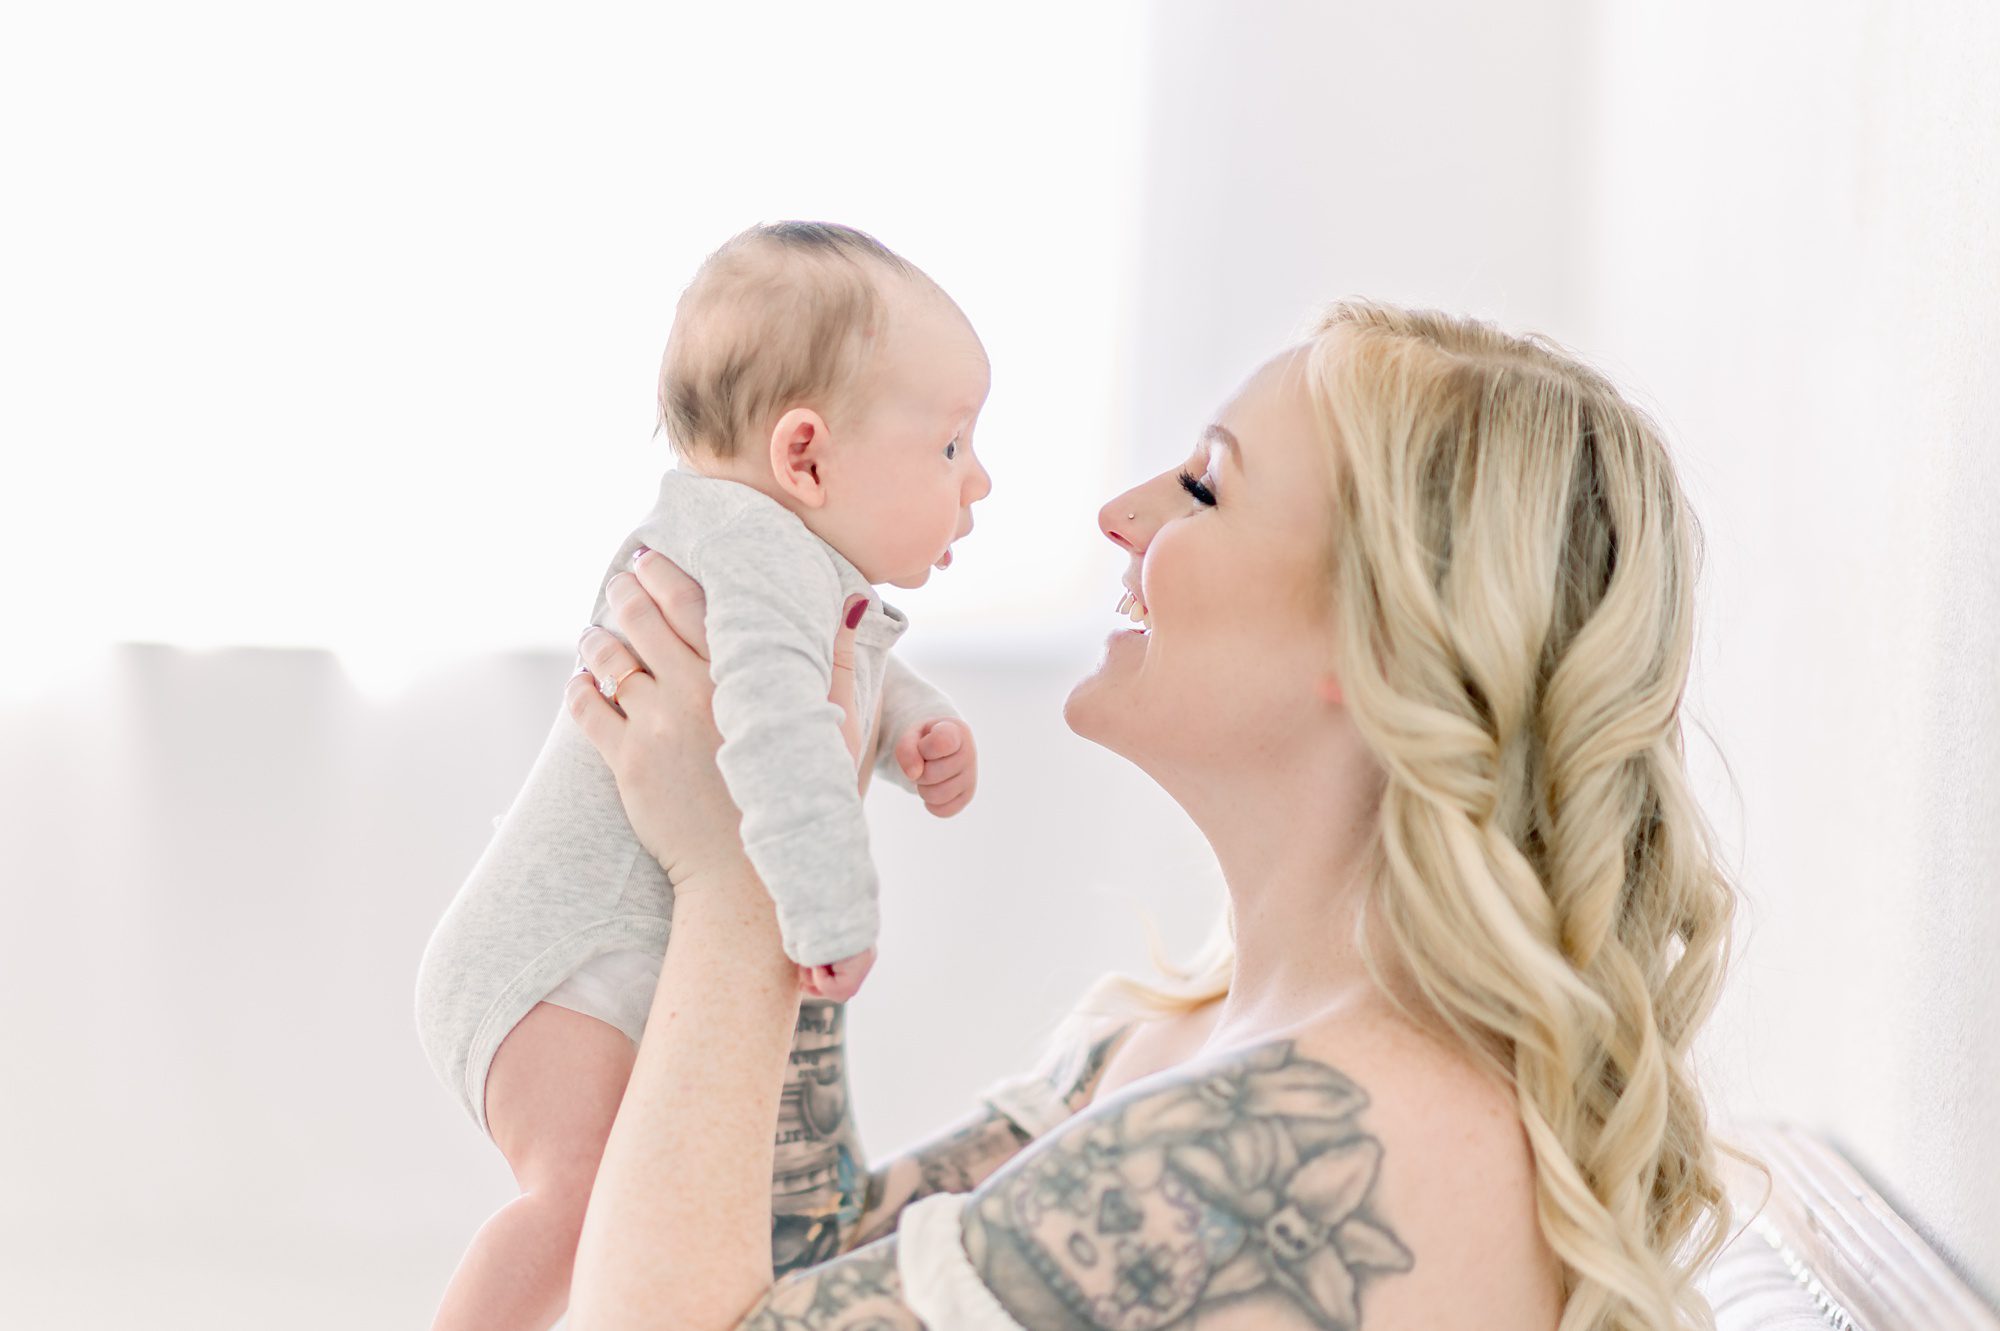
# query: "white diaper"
615,987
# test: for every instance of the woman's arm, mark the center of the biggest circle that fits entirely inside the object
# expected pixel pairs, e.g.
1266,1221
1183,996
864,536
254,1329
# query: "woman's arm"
963,1156
678,1230
824,1199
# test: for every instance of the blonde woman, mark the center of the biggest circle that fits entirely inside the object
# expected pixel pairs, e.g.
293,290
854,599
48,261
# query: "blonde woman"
1418,617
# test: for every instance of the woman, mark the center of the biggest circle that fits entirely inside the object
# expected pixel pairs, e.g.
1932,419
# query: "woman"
1420,611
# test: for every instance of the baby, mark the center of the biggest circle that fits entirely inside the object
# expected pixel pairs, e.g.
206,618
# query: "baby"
820,393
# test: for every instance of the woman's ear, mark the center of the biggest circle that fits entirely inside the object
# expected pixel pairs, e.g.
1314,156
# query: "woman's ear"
799,443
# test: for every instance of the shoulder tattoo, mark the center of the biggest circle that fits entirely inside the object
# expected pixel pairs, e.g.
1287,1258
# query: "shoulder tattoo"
1248,1182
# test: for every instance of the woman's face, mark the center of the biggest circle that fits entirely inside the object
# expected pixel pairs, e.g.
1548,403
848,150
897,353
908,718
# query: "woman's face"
1231,669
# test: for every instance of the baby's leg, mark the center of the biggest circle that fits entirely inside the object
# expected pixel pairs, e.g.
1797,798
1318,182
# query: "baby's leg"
551,1094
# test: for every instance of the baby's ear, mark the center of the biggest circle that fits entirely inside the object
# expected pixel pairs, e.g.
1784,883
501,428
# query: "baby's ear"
799,454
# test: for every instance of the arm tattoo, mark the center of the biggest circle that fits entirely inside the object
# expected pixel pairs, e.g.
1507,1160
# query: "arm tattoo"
861,1292
964,1158
816,1183
1247,1184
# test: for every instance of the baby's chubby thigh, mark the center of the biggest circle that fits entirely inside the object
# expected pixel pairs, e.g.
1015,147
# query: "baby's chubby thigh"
551,1095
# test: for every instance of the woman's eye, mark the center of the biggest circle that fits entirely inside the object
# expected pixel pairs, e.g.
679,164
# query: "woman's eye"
1202,494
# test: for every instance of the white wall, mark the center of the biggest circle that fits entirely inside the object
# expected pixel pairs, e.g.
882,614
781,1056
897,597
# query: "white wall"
220,867
1794,249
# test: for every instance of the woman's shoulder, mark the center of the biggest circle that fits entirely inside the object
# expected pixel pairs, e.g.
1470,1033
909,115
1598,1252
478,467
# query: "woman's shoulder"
1421,1154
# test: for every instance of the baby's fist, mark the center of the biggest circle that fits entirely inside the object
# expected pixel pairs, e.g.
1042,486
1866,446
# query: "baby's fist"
837,981
939,758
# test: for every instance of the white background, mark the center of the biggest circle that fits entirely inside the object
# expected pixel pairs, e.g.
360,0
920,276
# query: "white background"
329,337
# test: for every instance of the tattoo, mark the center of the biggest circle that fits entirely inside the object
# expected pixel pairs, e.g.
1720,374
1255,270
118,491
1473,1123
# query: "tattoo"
1246,1184
816,1182
1077,1082
965,1157
957,1162
860,1292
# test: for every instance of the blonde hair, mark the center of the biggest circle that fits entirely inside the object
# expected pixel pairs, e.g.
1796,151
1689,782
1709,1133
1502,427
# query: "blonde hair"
782,315
1511,582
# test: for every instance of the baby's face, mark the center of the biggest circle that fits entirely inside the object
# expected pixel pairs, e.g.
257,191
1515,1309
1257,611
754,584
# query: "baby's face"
903,477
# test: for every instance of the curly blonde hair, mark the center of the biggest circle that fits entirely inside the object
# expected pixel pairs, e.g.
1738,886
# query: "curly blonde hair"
1511,579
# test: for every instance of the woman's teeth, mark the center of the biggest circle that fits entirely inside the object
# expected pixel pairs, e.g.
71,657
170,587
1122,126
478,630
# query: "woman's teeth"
1134,609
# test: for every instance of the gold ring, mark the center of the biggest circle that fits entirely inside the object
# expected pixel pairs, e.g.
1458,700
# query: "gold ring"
611,691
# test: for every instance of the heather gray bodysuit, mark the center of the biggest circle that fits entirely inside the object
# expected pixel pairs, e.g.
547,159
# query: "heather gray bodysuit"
565,881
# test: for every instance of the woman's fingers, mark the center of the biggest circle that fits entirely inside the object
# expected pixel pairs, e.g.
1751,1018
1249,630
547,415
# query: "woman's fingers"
842,691
603,724
660,651
679,597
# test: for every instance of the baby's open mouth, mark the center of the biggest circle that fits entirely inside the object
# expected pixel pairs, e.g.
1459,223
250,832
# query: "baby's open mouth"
1134,609
943,560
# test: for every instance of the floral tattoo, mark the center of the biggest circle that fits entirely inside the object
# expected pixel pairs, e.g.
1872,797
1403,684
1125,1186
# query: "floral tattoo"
1250,1181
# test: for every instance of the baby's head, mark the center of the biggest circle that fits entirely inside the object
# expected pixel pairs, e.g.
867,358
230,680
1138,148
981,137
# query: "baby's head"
812,362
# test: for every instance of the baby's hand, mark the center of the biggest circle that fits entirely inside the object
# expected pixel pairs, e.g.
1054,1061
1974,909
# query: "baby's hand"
837,981
939,757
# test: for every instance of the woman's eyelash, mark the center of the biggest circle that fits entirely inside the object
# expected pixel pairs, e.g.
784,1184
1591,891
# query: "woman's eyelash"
1201,493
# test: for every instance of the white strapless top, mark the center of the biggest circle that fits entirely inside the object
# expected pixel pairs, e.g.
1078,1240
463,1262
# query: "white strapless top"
939,1283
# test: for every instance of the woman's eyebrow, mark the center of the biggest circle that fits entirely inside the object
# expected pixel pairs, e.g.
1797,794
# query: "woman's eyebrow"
1217,434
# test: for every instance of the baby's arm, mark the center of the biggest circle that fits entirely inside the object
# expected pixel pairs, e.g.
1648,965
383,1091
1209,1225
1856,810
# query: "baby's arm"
773,599
924,745
908,700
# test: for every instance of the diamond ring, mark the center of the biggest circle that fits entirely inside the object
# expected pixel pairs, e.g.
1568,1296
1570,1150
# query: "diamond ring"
609,688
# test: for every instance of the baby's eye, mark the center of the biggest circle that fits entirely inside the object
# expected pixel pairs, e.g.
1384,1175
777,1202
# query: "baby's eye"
951,450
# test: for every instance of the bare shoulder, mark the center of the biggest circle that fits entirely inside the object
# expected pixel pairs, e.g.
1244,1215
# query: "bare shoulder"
1457,1178
1348,1172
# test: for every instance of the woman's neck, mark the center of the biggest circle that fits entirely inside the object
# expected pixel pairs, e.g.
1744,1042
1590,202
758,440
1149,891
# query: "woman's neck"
1293,848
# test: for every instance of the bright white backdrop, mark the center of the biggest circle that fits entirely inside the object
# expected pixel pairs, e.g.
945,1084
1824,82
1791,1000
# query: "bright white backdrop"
314,309
329,343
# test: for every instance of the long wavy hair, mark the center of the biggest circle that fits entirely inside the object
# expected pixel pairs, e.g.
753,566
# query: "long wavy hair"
1511,581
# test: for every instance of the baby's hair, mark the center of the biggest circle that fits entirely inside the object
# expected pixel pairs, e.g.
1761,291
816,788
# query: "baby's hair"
782,315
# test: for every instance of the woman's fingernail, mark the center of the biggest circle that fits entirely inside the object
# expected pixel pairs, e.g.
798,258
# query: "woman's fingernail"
855,613
620,587
638,555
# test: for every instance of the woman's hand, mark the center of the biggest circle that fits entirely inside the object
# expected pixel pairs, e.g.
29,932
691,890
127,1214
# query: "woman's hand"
659,737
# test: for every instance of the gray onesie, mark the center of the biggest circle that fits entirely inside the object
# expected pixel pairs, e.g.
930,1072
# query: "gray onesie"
565,880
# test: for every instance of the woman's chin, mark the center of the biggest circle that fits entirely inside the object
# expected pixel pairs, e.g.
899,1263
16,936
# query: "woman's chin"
1090,699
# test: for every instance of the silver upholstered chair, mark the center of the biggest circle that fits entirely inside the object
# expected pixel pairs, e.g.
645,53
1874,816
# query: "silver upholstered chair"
1824,1252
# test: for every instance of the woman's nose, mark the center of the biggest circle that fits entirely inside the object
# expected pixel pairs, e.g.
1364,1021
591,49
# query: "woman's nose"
1118,521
